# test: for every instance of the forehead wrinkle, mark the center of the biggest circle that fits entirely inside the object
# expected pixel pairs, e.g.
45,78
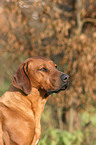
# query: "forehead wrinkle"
45,62
41,65
40,62
52,63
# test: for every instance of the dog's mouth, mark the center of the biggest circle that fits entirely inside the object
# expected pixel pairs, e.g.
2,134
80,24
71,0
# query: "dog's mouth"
49,92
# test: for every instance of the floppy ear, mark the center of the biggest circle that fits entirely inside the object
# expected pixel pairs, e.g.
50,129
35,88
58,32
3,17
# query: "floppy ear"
21,79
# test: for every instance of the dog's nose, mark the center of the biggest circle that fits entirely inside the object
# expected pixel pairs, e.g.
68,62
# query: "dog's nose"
64,78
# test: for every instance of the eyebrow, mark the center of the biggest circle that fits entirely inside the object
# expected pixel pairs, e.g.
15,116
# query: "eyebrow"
42,65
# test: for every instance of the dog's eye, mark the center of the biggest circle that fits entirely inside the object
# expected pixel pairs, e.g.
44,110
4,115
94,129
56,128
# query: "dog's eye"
43,69
55,66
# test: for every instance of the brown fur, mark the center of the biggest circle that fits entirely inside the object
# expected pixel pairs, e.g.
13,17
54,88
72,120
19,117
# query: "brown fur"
22,105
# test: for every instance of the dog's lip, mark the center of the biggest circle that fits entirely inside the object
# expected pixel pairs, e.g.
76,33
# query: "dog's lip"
63,87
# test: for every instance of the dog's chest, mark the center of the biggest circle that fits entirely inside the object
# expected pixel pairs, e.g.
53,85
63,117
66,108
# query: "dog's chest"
20,128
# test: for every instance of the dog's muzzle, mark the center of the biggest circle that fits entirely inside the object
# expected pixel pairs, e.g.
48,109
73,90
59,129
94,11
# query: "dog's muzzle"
64,84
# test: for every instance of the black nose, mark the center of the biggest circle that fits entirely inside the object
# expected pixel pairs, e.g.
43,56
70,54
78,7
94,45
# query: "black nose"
64,78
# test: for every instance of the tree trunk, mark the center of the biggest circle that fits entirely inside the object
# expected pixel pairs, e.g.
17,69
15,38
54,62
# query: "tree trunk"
59,111
71,119
79,21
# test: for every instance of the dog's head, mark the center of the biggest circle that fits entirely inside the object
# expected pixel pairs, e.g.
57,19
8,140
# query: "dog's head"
40,73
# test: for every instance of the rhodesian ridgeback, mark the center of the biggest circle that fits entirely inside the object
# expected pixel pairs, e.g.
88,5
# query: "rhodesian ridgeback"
22,105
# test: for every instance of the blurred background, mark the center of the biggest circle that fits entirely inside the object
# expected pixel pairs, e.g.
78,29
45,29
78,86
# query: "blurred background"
64,31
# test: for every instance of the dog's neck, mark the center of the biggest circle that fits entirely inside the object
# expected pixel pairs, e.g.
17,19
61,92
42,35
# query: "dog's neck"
35,101
38,100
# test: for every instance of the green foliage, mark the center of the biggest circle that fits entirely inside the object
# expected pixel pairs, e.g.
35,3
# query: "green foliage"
5,87
51,135
89,118
58,137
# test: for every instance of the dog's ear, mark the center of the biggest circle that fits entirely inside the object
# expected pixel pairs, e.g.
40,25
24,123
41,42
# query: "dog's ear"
21,79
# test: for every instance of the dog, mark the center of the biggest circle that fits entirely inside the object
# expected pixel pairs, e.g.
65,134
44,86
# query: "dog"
22,105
